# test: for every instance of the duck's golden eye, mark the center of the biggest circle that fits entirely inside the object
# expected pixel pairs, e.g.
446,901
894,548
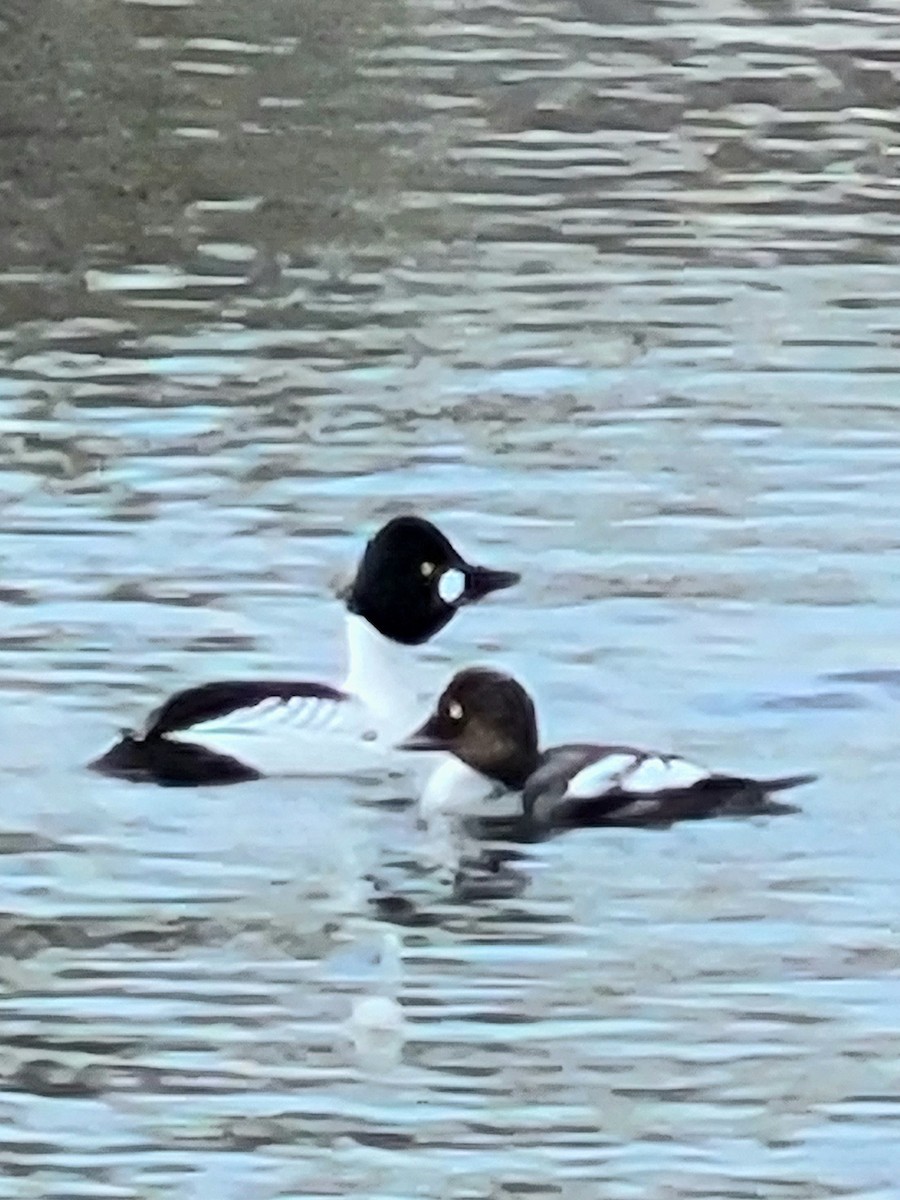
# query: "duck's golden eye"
427,569
455,710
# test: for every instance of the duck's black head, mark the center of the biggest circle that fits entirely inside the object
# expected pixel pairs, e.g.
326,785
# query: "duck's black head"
487,720
411,581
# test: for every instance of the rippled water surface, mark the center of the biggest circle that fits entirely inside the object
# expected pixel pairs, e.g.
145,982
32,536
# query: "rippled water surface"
608,289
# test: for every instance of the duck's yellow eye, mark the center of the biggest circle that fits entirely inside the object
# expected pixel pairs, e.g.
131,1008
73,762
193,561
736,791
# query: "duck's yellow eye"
427,570
455,710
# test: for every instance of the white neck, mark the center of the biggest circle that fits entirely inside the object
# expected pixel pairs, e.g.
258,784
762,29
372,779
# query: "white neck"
382,674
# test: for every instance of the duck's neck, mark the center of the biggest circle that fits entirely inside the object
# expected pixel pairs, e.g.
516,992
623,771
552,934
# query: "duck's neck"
512,768
383,675
517,773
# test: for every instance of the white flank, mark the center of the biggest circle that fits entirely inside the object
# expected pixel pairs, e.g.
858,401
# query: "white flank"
300,736
309,736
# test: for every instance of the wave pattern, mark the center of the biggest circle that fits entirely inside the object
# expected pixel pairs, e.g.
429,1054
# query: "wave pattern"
610,290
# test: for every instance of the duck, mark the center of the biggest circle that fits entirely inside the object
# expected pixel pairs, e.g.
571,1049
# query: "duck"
487,722
409,584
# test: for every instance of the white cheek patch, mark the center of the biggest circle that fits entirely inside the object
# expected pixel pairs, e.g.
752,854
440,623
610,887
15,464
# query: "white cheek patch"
451,585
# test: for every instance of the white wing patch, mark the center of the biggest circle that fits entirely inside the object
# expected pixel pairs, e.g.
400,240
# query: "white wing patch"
604,775
634,773
299,712
661,774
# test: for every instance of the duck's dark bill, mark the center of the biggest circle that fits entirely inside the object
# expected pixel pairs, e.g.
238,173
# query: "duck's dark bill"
424,739
481,581
422,743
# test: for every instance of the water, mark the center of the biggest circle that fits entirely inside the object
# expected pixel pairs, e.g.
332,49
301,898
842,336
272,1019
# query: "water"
609,290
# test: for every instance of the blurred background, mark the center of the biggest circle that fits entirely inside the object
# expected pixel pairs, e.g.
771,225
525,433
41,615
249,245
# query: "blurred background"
607,288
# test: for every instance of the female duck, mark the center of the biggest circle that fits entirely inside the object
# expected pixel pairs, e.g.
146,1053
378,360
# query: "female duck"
487,721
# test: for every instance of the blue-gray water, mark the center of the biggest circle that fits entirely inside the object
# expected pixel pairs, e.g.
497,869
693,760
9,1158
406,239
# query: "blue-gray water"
610,291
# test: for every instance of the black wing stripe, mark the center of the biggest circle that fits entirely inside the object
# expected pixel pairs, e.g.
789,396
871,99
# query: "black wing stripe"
212,700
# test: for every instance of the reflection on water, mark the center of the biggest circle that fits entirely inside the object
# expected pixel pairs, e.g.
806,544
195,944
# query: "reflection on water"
608,288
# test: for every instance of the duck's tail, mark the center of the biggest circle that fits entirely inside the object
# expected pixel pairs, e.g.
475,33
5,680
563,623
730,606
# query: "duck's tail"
783,782
169,763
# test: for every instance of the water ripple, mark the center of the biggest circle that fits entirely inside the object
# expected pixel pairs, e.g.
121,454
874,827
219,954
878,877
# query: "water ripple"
609,290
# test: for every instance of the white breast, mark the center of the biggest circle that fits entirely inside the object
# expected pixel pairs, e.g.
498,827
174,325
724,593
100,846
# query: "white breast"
634,773
384,677
455,788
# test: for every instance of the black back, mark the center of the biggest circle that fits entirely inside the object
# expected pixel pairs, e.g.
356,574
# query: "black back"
211,700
